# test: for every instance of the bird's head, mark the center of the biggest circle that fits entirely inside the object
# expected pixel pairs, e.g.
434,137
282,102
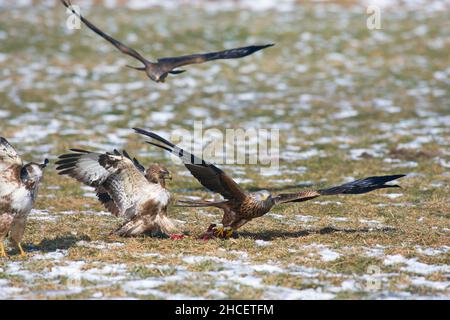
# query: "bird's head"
263,195
157,173
32,173
156,75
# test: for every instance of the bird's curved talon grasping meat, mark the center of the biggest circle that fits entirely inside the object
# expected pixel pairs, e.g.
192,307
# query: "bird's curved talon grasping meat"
219,232
158,71
223,232
240,207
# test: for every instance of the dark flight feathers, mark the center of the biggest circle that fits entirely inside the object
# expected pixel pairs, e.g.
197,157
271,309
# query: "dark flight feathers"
236,53
211,177
355,187
119,45
362,185
159,70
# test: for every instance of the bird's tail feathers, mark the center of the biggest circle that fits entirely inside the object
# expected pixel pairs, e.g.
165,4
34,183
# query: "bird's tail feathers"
160,225
199,204
165,224
185,156
136,68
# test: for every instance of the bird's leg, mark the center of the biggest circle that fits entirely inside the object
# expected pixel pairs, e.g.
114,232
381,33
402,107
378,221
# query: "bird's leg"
2,250
219,232
228,232
22,253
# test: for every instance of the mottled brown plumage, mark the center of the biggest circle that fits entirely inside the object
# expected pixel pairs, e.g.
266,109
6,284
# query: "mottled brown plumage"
19,185
240,207
158,71
124,188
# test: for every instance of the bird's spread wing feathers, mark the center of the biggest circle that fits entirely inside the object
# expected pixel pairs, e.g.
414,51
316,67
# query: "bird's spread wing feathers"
174,62
211,177
105,199
8,155
136,163
362,185
84,166
115,177
296,197
355,187
119,45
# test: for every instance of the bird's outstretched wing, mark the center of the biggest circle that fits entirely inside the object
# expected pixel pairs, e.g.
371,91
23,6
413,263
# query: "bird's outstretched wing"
136,163
103,195
115,177
296,197
8,155
119,45
363,185
170,63
211,177
355,187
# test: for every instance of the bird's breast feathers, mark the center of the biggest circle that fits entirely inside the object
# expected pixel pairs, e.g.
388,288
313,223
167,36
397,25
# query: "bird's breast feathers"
158,194
13,194
19,200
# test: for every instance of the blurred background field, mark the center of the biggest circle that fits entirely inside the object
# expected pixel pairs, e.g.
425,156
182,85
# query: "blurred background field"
349,102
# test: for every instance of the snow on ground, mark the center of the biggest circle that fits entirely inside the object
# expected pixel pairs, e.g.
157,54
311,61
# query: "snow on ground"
91,277
324,111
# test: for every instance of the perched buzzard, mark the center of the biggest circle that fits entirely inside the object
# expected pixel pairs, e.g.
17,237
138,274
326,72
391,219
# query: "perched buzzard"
19,185
125,188
240,207
158,71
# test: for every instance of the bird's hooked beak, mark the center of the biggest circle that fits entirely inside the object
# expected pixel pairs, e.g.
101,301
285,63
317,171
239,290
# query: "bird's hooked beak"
44,164
167,175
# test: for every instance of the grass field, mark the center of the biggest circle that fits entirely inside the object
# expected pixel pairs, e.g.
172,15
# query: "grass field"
349,102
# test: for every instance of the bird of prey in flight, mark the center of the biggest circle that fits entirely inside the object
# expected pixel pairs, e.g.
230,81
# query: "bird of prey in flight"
240,207
125,188
19,185
158,71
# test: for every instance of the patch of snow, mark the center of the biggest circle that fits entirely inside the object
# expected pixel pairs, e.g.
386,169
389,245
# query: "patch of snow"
302,218
328,255
393,195
413,266
262,243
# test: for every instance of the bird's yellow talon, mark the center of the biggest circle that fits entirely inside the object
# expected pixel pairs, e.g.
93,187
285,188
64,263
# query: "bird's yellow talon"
229,233
22,253
223,232
218,232
2,251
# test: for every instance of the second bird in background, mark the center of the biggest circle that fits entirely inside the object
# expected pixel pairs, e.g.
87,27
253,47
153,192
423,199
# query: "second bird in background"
158,71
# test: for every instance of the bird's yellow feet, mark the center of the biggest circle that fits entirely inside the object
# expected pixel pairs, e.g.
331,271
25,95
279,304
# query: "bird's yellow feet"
2,251
22,253
223,232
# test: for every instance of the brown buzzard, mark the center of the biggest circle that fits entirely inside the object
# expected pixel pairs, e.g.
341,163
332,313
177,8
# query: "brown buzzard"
125,188
158,71
240,207
19,185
